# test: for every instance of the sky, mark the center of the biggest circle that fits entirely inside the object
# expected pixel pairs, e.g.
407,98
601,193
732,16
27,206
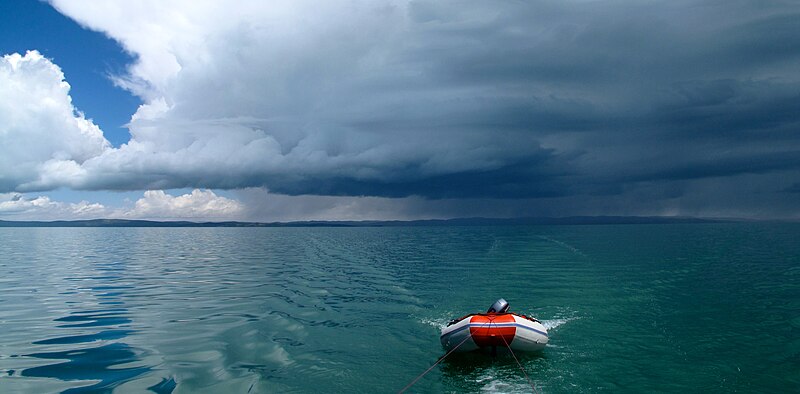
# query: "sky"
356,110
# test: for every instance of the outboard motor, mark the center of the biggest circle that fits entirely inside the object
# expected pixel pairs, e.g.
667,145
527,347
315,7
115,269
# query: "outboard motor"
499,306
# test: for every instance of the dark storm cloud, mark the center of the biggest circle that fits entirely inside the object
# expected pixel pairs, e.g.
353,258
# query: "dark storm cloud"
666,91
449,100
719,165
795,188
514,181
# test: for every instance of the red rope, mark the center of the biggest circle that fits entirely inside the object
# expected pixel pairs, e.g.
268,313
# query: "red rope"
435,364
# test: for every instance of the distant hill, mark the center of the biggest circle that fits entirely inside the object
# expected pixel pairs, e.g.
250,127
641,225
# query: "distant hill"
572,220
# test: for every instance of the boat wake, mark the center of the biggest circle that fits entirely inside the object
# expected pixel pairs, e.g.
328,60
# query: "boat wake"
554,323
564,245
438,322
495,384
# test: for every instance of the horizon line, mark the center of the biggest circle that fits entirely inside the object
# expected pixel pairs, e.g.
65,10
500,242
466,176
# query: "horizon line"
464,221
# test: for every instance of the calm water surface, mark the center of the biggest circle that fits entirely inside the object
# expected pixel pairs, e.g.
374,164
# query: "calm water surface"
631,308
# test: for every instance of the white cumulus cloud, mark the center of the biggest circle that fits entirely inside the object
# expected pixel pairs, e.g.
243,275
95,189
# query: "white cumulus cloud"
199,204
44,140
17,206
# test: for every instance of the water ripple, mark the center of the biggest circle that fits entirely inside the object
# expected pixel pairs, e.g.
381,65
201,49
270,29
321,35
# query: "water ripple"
359,309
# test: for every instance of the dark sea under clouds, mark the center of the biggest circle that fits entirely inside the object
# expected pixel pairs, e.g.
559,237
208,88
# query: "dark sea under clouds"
631,308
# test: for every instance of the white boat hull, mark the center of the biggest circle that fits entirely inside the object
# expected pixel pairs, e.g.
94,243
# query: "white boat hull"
493,331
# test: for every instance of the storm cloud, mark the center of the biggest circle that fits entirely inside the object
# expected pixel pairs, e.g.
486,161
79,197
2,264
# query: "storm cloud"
455,100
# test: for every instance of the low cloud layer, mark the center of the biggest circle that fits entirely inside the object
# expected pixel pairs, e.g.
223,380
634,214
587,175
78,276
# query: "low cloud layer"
586,103
199,205
17,206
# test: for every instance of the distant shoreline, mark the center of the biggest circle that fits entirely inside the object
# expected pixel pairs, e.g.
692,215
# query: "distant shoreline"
572,220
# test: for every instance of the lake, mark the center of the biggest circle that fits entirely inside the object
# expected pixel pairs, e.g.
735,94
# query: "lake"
629,308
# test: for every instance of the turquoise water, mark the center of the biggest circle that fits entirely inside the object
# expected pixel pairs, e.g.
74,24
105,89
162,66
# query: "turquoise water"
630,308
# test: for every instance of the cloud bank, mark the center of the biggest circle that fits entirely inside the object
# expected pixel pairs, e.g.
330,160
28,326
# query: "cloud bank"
536,100
199,205
16,206
303,99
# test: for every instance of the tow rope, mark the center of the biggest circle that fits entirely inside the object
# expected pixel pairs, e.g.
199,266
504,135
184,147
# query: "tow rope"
434,364
533,387
408,386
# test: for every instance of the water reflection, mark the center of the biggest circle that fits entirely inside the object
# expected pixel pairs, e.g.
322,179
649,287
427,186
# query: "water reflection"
100,336
99,363
98,318
85,354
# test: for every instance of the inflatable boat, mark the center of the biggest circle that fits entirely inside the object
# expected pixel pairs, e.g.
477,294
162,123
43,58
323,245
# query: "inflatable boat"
493,330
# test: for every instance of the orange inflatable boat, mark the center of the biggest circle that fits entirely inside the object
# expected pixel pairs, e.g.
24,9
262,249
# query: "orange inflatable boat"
493,330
